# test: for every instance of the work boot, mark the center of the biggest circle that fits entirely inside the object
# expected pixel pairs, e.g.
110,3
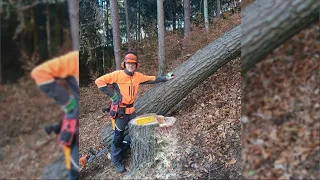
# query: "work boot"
119,167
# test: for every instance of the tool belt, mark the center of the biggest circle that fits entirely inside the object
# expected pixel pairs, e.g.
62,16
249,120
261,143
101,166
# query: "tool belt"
68,131
119,110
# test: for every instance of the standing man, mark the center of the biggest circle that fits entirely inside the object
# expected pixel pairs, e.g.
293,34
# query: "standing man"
65,67
125,88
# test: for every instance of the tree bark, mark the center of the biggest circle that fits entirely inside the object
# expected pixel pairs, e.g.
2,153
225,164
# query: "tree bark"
190,74
218,8
143,144
74,22
116,32
205,12
186,17
161,47
268,24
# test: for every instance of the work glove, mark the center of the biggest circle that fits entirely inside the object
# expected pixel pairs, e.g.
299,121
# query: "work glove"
116,99
169,76
53,128
106,109
71,109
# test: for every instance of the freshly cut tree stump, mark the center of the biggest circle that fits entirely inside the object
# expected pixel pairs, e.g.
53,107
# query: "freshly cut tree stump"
143,138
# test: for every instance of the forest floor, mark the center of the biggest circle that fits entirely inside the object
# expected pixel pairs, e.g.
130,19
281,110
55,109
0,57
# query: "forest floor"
205,142
281,111
25,148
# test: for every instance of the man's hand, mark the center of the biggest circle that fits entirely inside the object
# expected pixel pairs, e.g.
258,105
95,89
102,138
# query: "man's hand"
116,99
169,76
71,109
53,128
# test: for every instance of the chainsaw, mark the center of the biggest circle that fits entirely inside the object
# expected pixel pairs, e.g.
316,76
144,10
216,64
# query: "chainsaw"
91,156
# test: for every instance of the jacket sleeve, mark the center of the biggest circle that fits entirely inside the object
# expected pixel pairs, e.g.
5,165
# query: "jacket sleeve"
152,79
60,67
66,67
105,80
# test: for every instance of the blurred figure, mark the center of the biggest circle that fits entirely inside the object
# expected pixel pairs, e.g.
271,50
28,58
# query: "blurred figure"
65,67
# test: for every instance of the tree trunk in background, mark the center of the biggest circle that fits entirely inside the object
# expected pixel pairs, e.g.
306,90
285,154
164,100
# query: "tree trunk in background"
268,24
218,8
48,28
205,12
161,46
139,21
186,17
74,22
116,33
174,19
107,61
127,23
35,30
0,61
57,26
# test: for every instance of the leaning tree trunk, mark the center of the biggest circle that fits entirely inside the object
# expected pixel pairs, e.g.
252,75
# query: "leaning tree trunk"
268,24
189,75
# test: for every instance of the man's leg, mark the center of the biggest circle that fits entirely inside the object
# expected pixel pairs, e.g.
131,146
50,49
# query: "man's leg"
117,143
127,138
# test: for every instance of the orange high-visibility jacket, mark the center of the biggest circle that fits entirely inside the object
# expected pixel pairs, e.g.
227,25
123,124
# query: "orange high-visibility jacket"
60,67
128,85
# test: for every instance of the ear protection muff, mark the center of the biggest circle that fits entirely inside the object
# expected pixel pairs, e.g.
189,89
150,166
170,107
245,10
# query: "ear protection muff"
123,65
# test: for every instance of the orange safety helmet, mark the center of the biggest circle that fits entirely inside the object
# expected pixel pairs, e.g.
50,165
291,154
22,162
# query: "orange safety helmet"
130,57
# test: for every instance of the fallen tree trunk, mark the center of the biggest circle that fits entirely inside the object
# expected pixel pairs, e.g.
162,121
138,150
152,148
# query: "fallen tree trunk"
268,24
190,74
